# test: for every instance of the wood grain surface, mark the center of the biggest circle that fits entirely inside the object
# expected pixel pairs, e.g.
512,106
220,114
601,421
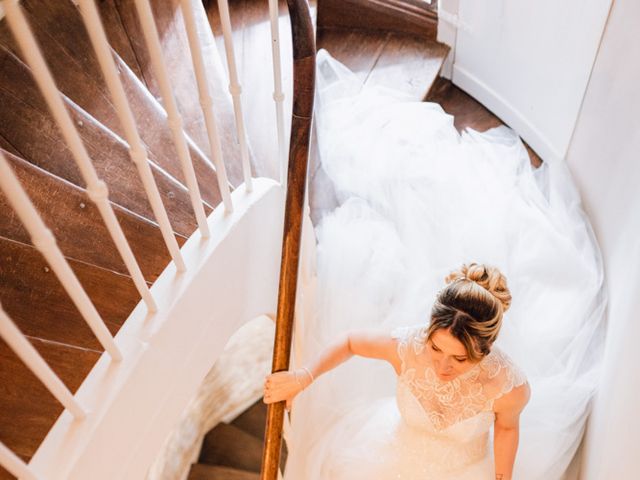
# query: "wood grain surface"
400,16
77,225
25,116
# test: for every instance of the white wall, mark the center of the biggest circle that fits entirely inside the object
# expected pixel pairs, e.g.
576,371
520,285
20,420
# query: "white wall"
231,278
604,157
529,62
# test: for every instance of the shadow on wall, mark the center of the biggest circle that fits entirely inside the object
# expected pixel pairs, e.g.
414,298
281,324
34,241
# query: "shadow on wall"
232,385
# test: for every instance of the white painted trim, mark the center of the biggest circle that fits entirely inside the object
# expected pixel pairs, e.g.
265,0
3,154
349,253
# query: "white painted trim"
506,112
14,464
231,278
448,23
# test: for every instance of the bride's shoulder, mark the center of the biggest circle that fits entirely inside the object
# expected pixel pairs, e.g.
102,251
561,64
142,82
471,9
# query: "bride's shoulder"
410,336
407,332
506,381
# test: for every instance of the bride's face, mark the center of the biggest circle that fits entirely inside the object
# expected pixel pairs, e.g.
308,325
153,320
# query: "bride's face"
448,355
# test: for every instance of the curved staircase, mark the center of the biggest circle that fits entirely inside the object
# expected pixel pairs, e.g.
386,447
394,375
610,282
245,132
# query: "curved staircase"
373,40
31,294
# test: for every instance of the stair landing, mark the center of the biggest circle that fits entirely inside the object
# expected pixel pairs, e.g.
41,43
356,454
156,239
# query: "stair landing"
401,61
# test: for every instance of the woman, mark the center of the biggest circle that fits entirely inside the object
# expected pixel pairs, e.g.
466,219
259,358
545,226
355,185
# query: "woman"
452,387
415,199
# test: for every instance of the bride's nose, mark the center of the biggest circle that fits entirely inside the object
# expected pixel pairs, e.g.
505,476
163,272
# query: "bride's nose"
446,365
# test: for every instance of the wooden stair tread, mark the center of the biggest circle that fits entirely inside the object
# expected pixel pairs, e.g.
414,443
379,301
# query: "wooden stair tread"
36,301
407,16
72,62
175,48
201,471
401,61
77,225
25,115
253,419
228,445
34,298
27,409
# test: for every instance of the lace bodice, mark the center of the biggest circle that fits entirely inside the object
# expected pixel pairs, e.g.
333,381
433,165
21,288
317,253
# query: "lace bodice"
466,401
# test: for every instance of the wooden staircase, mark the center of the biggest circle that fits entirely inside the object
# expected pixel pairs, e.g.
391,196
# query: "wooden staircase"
395,48
29,291
233,450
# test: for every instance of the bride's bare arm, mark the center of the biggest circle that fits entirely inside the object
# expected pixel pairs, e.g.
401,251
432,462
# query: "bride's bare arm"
365,343
506,429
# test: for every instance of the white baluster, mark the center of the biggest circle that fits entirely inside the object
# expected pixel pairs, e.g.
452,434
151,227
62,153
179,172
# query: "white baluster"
32,359
96,188
236,90
137,149
45,242
150,33
206,102
14,465
278,94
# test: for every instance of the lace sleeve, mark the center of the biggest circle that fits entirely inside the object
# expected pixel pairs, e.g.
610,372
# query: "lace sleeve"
503,375
410,343
401,335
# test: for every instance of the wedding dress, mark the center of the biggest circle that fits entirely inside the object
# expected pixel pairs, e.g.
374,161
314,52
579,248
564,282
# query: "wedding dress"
416,200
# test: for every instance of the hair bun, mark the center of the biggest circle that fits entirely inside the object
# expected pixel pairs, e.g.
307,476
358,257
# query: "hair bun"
488,277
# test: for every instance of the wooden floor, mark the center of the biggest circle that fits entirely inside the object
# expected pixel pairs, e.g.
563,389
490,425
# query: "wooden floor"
468,112
396,60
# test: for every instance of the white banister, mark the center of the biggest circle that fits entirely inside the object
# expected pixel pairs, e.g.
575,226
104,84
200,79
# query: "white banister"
206,102
278,94
152,41
96,188
14,465
236,90
137,149
45,242
16,340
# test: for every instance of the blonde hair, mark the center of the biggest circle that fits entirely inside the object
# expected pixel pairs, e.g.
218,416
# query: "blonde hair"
471,306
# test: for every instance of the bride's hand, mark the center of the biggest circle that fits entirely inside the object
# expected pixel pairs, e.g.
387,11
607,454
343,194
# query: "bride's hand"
285,385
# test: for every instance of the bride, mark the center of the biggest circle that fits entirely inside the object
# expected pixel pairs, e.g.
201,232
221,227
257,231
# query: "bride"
416,199
452,387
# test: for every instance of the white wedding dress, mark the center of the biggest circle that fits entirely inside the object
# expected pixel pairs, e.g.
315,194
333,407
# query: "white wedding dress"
416,200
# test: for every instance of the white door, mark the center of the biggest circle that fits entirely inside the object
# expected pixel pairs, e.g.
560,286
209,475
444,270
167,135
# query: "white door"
529,62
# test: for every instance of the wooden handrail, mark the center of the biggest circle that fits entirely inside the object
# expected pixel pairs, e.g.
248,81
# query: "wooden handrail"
304,65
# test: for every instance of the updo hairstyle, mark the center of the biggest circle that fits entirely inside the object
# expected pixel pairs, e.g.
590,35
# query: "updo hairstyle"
471,306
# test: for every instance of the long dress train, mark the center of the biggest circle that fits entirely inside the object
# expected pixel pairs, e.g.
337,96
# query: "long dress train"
418,199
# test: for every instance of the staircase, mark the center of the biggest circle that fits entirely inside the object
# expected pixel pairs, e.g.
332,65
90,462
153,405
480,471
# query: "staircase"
234,450
31,294
390,43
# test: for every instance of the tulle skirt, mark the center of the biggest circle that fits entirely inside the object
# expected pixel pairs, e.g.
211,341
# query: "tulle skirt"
416,200
373,443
